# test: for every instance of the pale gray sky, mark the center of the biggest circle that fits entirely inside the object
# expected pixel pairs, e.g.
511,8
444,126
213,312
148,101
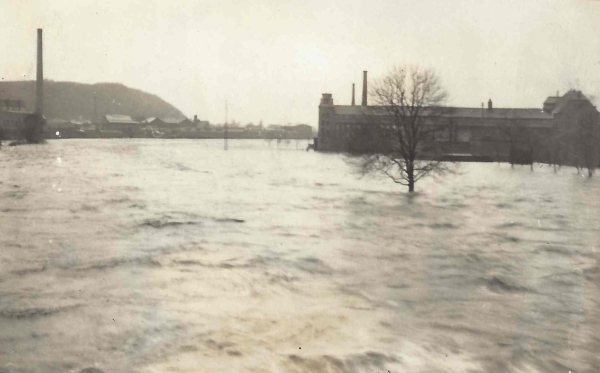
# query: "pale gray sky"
272,59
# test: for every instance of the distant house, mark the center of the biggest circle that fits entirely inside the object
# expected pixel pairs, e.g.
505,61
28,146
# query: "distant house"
252,127
171,122
13,118
147,121
154,122
124,123
303,131
12,105
186,123
165,123
119,119
203,125
55,122
85,124
61,124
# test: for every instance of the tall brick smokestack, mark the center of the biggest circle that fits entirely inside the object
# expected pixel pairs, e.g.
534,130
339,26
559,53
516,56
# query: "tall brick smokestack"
353,94
39,83
364,96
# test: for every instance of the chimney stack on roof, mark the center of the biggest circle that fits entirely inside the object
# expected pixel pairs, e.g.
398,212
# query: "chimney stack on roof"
353,103
39,83
364,93
326,100
490,107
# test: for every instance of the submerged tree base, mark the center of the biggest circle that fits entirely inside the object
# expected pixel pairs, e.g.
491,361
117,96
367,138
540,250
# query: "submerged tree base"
25,142
33,130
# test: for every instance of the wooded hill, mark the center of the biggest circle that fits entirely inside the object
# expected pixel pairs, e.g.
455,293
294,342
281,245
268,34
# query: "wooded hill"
68,100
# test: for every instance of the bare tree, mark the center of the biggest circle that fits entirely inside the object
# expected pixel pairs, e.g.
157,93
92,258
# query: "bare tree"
33,129
524,144
397,136
554,150
577,138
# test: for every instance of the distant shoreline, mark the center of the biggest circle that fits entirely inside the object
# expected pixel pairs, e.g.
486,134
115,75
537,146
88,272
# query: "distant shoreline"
57,133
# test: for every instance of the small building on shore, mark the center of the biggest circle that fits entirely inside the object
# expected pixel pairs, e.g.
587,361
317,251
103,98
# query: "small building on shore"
13,116
118,122
186,123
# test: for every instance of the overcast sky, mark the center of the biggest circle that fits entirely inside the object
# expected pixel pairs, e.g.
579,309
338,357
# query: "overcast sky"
272,59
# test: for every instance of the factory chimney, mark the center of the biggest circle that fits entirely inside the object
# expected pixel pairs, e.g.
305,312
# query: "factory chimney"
364,95
353,103
39,83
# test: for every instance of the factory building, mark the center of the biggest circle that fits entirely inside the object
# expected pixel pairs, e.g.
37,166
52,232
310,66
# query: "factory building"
544,134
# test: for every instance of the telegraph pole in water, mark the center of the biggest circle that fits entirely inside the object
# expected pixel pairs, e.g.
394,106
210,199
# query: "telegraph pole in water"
225,134
95,112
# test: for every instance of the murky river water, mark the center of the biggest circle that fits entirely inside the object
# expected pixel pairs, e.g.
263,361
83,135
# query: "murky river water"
176,256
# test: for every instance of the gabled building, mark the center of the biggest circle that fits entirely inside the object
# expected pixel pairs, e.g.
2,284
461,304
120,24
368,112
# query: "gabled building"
168,123
57,123
299,131
171,122
13,117
8,105
122,123
203,125
147,121
186,123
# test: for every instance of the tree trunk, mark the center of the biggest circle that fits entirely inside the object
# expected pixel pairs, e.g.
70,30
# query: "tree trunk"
410,173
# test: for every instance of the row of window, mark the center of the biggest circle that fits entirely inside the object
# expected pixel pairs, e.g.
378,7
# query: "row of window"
10,123
443,134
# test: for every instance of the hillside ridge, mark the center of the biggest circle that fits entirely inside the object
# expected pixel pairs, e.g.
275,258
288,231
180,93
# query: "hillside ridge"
72,100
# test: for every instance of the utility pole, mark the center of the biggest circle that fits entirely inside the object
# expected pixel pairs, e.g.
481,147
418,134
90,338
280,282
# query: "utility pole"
95,112
225,134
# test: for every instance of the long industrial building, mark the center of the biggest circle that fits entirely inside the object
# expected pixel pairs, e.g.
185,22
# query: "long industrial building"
561,131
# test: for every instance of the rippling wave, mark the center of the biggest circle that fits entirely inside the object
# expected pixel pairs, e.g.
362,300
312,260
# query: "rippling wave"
176,256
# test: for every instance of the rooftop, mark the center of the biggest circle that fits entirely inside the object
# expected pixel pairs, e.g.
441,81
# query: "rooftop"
572,95
121,119
170,120
454,112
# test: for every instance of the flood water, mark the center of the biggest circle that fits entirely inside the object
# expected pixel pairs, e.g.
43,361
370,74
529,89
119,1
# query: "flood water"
177,256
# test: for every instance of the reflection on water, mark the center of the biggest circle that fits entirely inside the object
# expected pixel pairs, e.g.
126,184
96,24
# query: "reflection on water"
174,255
